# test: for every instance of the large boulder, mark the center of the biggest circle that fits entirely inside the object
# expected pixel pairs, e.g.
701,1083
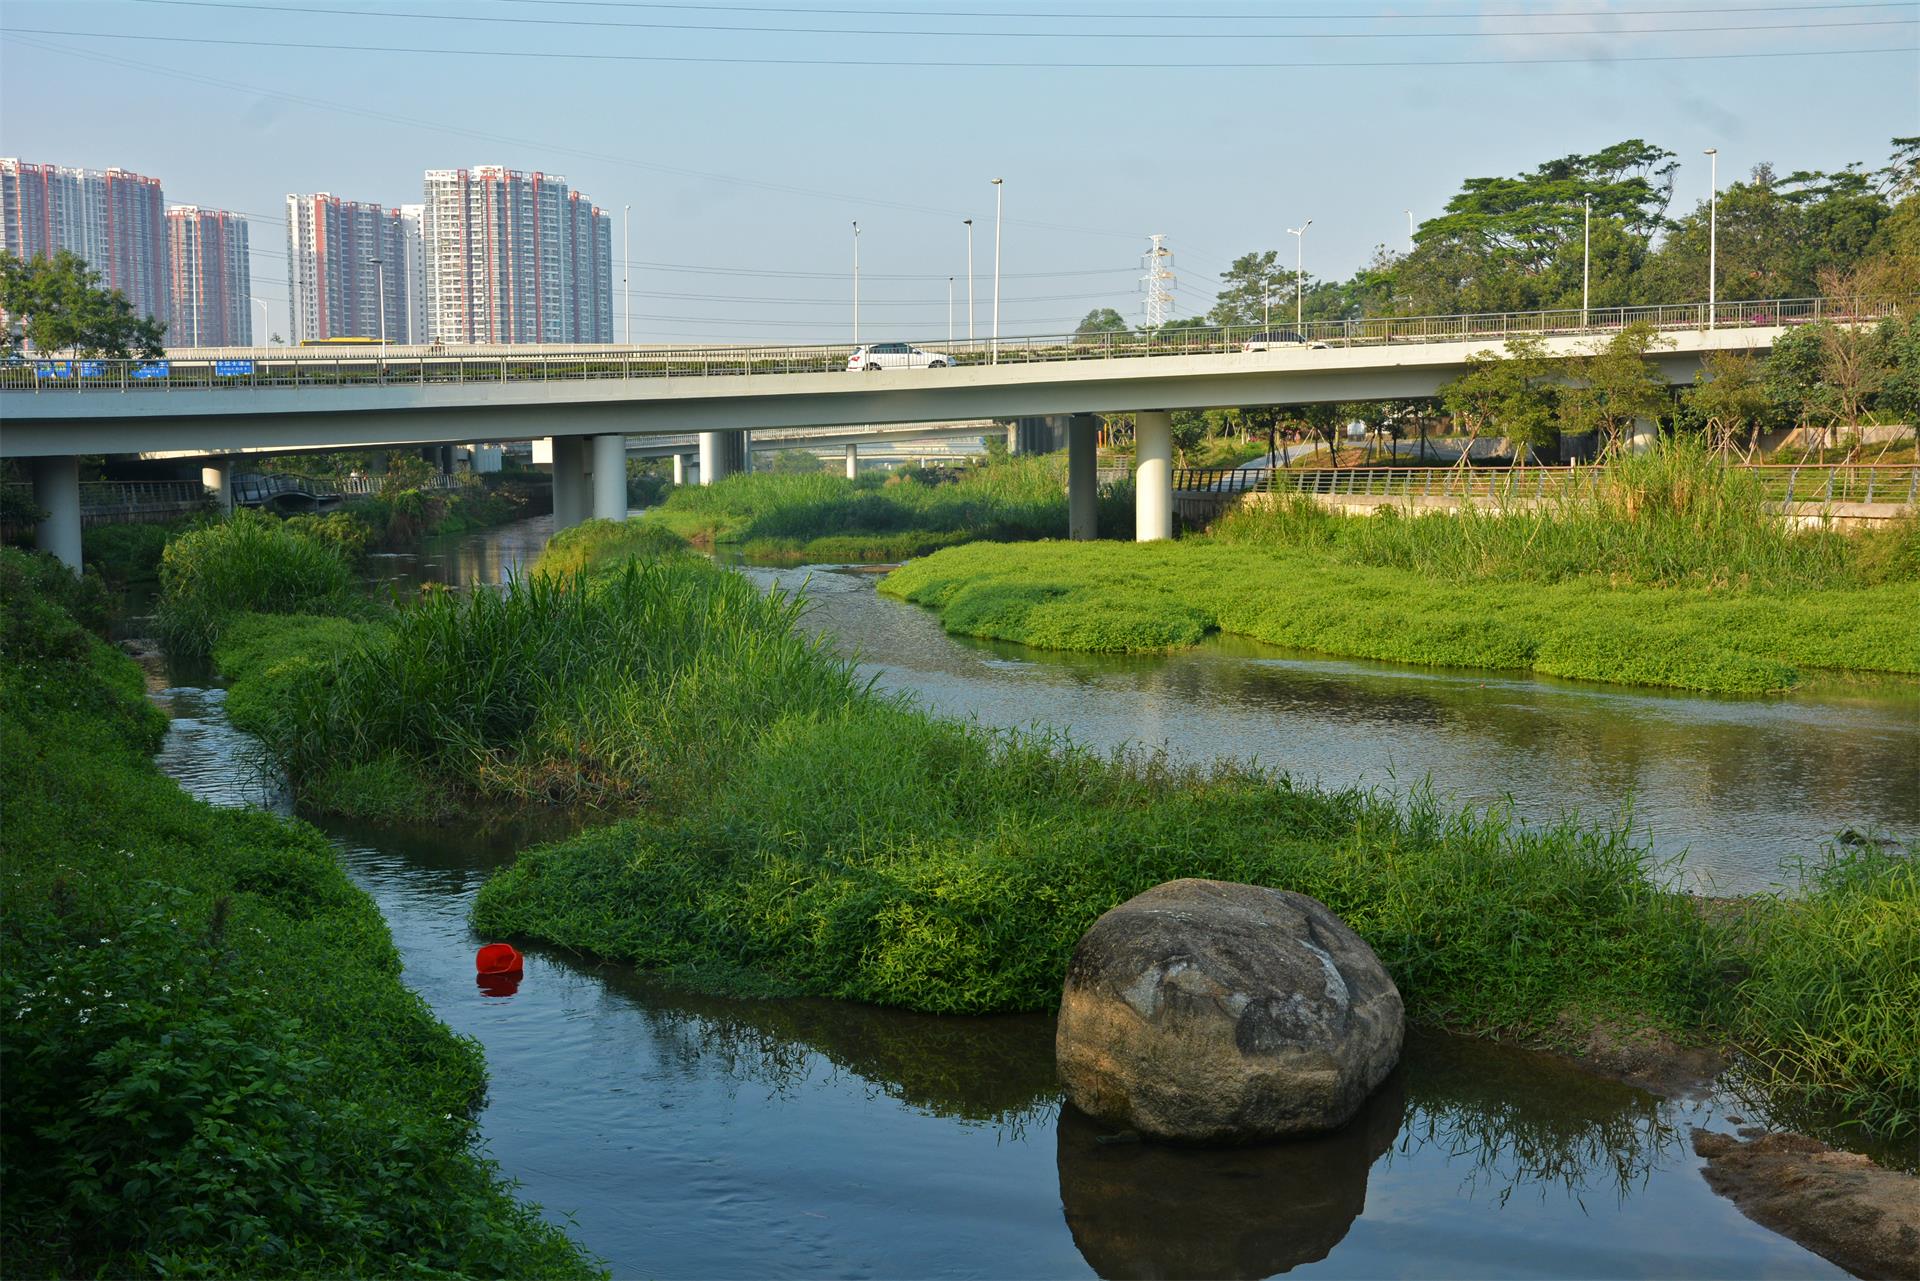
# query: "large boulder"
1209,1012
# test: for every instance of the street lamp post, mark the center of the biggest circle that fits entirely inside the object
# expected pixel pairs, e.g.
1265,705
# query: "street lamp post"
1586,261
949,311
1409,214
969,223
1299,276
1713,236
626,292
856,284
999,189
263,317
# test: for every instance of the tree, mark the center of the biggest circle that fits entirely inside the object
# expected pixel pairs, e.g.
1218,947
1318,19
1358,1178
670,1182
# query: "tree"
59,304
1515,392
1101,320
1614,385
1730,396
1254,287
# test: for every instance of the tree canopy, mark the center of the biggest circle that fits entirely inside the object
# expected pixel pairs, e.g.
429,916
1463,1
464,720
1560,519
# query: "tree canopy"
59,304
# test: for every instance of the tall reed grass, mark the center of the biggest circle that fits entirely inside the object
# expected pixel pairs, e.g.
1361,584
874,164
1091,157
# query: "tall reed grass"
1674,517
250,563
880,517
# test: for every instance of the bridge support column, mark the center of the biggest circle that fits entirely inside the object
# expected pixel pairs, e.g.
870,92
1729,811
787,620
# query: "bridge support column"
610,476
1083,477
1152,475
217,476
569,482
853,459
56,491
679,469
723,453
746,452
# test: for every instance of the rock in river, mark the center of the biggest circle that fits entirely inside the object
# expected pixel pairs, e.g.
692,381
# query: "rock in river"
1209,1012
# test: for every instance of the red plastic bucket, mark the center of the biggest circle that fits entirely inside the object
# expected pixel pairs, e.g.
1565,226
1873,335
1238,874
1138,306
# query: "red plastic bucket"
498,958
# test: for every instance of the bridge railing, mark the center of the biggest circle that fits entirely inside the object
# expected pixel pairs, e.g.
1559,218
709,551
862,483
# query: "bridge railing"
302,368
112,495
1818,483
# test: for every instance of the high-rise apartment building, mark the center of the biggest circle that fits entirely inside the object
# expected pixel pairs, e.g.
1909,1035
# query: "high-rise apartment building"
212,278
515,257
113,218
414,270
352,270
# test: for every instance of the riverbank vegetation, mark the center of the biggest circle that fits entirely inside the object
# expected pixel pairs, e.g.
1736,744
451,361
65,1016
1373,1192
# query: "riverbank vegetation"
213,1067
1668,570
782,828
801,518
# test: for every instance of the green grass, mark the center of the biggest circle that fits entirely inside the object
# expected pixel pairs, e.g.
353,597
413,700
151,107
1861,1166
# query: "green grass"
1121,598
596,542
819,517
212,1065
548,692
790,831
252,562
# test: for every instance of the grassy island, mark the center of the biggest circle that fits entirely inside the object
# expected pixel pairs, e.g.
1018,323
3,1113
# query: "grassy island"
1670,572
212,1066
771,824
815,517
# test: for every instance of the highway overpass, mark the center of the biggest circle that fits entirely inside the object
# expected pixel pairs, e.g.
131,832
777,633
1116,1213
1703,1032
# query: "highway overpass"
591,401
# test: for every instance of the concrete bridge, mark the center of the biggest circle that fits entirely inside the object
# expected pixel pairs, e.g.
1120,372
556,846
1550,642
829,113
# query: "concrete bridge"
591,401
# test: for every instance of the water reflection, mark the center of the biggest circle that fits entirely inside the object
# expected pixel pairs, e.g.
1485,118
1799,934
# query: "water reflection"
1735,785
1150,1210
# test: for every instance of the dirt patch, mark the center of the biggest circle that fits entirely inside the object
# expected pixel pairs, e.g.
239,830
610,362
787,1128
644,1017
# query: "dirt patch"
1644,1057
1838,1204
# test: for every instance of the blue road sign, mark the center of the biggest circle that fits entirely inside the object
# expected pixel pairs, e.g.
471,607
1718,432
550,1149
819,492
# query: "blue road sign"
152,369
232,368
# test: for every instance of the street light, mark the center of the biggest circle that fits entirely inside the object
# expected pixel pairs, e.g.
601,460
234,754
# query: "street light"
856,284
263,316
1299,277
949,311
1713,235
999,190
969,223
1586,260
626,294
1409,214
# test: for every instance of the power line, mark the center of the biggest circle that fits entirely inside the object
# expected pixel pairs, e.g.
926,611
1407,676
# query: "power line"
959,64
998,35
1178,15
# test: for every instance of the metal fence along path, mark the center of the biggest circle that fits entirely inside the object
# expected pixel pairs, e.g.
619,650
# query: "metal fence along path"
1783,482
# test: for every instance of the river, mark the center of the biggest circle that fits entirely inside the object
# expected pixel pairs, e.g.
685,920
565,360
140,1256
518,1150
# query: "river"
685,1136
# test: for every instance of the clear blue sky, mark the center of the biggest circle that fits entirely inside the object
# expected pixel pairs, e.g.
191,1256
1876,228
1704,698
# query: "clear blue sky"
749,169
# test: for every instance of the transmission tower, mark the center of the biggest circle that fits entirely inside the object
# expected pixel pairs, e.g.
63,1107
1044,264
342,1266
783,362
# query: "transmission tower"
1158,282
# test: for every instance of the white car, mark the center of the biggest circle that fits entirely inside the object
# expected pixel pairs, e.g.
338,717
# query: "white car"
1280,340
896,355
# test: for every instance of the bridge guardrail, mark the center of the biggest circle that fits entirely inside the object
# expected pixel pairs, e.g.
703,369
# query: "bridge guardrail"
108,495
295,368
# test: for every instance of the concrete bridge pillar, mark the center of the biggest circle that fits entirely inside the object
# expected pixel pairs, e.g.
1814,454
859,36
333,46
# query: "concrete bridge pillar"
610,476
1083,477
1152,475
853,459
56,491
723,453
216,474
679,469
570,502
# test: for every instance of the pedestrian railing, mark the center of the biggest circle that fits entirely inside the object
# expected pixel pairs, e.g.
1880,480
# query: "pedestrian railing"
1820,483
108,495
429,366
253,490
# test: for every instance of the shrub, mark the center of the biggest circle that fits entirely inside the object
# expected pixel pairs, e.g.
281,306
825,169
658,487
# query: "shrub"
252,562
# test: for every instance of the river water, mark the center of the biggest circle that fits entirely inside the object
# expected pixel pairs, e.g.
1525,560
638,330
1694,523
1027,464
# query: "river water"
686,1136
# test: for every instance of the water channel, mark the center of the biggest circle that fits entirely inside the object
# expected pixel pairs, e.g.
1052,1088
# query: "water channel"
684,1136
